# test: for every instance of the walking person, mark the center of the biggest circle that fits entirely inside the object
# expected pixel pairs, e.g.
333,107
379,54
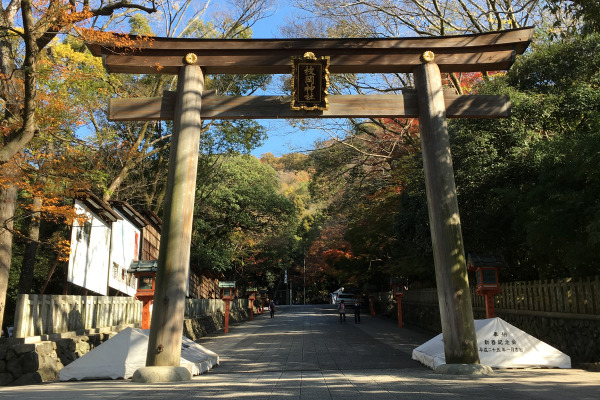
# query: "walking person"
272,308
356,311
342,311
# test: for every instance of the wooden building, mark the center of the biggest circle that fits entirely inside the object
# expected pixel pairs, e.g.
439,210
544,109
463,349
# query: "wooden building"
150,236
204,284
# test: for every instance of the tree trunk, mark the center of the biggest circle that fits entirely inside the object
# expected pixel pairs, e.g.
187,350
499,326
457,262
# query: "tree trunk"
18,138
50,273
8,200
26,277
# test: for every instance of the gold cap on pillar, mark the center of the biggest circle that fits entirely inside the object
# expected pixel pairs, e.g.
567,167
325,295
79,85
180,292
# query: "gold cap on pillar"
427,56
191,58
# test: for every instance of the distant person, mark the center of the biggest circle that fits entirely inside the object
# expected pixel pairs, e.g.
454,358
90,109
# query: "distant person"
342,311
357,311
272,308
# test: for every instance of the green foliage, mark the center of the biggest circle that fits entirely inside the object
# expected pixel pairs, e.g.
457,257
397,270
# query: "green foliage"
586,11
383,200
553,67
528,186
233,136
139,25
238,208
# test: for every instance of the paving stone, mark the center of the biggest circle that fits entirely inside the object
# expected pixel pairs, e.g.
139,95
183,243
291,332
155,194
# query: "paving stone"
267,359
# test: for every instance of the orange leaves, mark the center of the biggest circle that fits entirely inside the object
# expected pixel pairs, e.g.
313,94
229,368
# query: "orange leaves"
330,248
7,127
399,126
63,249
333,256
53,205
16,88
71,17
468,80
55,114
9,174
113,39
384,193
59,16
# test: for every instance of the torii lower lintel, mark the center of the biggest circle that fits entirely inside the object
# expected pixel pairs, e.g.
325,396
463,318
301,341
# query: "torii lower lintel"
340,106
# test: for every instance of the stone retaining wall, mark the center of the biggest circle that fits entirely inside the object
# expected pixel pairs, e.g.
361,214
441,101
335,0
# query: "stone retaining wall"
35,360
25,361
195,328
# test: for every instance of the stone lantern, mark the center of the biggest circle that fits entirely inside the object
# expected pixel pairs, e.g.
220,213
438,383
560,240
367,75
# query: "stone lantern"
227,294
263,297
487,282
399,294
251,297
145,272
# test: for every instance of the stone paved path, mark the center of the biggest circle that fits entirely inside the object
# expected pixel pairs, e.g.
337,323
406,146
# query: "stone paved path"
305,353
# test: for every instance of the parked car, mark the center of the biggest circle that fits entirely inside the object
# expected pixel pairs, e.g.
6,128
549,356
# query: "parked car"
347,297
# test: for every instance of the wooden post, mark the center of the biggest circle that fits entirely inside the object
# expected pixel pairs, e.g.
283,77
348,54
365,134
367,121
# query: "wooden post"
458,327
489,306
399,296
226,330
251,304
166,330
146,313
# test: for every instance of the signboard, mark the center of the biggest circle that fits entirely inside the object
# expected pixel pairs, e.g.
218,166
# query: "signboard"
310,81
102,249
500,345
124,250
90,249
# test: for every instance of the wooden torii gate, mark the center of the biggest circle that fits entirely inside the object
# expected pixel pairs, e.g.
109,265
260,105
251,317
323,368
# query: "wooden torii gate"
426,58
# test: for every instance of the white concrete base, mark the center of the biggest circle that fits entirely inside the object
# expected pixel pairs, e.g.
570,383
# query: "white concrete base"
161,374
464,369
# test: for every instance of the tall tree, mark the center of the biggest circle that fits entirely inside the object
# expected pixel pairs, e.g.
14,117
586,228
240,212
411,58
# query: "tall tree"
240,214
27,27
25,50
136,173
584,15
382,175
527,184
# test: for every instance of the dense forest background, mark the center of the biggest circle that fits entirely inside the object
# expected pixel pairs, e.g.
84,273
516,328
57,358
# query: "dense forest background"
352,212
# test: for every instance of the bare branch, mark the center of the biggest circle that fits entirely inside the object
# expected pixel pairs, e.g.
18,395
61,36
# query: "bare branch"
112,7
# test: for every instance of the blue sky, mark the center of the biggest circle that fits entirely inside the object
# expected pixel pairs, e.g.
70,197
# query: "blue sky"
282,137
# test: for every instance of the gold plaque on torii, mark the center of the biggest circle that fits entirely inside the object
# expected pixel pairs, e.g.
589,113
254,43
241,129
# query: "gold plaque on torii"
310,81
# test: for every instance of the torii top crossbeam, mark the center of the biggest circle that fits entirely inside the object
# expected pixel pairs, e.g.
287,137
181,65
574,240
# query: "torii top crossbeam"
462,53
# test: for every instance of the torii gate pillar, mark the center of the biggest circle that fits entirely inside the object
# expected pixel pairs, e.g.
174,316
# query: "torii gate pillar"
166,330
454,297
